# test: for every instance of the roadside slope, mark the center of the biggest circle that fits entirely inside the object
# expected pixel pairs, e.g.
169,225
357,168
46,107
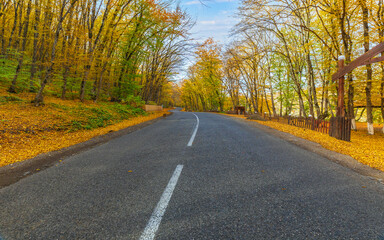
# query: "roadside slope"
14,172
27,131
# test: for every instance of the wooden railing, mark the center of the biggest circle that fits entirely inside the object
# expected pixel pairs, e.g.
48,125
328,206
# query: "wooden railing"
310,123
337,127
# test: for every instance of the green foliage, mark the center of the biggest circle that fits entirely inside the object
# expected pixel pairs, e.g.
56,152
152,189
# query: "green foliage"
133,100
125,90
75,126
7,73
123,111
7,99
100,118
59,106
87,118
126,111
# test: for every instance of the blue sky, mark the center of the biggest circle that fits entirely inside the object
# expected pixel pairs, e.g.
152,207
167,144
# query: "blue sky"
213,19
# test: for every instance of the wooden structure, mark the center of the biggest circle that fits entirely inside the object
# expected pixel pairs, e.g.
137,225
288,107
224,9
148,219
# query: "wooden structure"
240,110
366,58
310,123
341,126
152,108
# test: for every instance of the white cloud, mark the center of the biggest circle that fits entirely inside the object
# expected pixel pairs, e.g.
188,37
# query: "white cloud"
218,29
226,1
208,22
193,2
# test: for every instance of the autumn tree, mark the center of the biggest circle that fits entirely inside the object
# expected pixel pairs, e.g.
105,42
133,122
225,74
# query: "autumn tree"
90,49
204,88
307,37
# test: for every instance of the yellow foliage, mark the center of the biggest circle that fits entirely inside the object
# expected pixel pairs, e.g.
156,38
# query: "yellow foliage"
367,149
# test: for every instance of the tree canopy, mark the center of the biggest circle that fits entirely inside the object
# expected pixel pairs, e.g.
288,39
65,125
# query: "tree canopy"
122,50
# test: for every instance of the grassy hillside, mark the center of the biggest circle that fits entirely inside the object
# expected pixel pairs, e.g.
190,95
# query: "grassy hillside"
26,130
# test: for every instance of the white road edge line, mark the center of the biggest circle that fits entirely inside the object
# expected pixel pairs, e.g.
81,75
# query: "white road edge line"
194,131
154,222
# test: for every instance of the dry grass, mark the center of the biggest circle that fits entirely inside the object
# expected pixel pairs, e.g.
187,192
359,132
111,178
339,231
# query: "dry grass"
365,148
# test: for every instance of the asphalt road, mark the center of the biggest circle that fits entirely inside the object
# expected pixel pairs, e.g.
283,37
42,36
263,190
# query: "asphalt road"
234,182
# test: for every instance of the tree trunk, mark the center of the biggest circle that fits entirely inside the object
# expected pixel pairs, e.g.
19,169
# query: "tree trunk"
39,96
2,32
16,7
301,102
272,98
266,102
17,42
382,93
35,46
347,47
65,81
100,82
309,83
368,87
12,88
281,94
380,16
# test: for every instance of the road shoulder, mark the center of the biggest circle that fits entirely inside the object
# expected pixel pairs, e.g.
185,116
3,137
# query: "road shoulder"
344,160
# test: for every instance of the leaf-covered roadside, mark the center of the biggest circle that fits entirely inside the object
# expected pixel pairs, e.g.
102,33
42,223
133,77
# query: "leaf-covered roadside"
27,131
365,148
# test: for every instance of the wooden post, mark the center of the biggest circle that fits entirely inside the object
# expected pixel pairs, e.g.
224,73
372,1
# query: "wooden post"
313,123
340,94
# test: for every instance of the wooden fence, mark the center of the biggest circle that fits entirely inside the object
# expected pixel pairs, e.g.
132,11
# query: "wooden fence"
310,123
337,127
340,128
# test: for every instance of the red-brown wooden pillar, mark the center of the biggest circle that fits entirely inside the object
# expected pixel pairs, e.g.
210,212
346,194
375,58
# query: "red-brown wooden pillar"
340,94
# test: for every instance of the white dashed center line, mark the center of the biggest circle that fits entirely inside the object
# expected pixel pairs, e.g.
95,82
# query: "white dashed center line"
154,223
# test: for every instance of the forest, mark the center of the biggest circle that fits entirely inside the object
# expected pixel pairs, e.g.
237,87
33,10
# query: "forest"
111,50
282,59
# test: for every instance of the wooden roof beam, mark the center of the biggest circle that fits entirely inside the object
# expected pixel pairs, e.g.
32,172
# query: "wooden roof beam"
373,60
360,61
